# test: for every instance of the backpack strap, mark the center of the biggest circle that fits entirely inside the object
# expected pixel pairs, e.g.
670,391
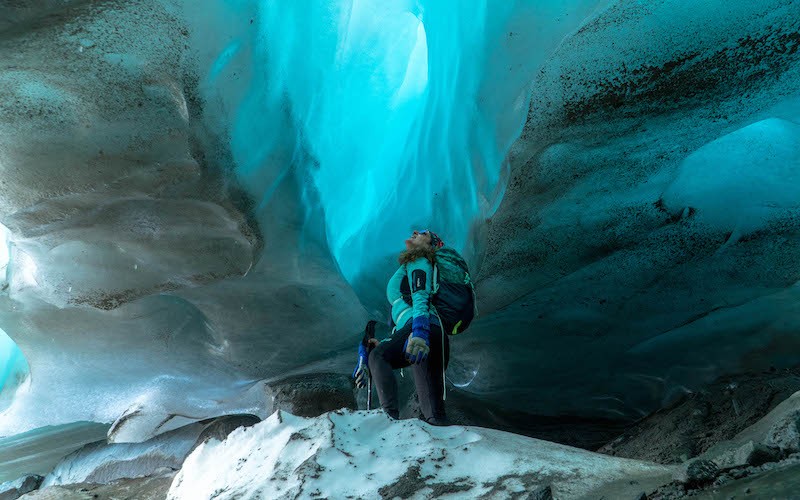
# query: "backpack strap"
441,329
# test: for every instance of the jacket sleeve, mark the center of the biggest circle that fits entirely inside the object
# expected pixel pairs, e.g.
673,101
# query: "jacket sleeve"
393,287
420,278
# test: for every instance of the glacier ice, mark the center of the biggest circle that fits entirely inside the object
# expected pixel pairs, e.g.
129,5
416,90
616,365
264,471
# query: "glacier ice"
618,294
202,237
14,372
196,200
110,218
40,450
102,463
373,103
742,181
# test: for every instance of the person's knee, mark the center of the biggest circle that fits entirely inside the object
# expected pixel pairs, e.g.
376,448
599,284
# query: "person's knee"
375,358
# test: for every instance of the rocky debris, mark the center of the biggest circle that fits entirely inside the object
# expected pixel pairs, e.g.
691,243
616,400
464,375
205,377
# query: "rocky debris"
770,480
12,490
740,437
698,473
762,460
699,420
465,409
774,481
773,437
145,488
313,394
544,493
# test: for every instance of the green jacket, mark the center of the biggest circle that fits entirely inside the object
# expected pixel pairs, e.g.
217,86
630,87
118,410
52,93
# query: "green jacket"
420,279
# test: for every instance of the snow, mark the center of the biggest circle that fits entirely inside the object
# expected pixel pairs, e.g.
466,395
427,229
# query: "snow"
367,455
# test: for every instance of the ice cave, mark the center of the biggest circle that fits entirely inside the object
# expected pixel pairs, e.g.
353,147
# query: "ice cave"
202,203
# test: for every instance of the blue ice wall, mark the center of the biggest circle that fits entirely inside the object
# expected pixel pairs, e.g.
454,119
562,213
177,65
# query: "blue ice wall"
394,114
13,369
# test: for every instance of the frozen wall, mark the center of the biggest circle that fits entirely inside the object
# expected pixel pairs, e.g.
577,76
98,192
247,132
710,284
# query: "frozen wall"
198,199
14,370
648,239
392,116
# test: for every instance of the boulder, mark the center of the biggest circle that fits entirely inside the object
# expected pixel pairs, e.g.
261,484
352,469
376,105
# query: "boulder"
774,436
12,490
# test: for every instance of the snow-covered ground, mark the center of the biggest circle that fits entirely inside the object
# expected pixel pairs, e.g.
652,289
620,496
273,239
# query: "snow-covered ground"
364,454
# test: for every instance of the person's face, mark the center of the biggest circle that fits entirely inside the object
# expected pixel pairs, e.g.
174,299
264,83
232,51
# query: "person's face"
418,239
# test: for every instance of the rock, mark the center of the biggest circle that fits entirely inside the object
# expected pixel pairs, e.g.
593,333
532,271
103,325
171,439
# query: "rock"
785,431
145,488
774,436
15,489
314,394
759,454
544,493
221,427
698,473
706,418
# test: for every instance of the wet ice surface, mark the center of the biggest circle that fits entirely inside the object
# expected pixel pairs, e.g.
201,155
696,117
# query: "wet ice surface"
105,462
38,451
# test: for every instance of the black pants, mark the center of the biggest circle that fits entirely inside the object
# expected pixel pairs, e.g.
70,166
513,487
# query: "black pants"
428,376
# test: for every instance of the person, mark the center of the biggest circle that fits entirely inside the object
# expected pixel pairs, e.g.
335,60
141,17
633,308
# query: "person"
417,339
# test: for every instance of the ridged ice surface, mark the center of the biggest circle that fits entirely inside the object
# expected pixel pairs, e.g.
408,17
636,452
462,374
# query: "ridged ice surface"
647,240
38,451
102,463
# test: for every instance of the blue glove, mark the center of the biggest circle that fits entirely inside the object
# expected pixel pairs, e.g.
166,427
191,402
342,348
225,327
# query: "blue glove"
418,344
361,373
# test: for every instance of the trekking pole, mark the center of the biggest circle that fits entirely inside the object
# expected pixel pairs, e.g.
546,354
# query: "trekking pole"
369,334
369,392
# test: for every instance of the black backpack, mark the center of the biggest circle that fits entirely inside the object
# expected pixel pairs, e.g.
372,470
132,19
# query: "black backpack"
453,292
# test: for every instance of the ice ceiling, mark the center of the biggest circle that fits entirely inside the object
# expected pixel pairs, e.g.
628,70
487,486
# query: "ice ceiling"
199,200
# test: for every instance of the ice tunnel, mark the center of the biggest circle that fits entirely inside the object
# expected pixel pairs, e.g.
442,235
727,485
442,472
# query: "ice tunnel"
385,106
203,203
